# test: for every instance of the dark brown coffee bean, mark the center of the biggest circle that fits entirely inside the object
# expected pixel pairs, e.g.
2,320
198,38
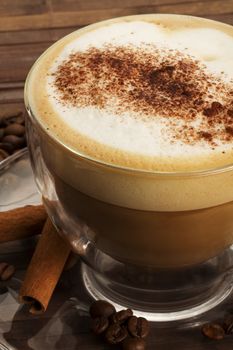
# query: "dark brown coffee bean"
8,147
121,316
99,324
101,308
12,118
213,331
115,334
1,133
3,119
3,265
15,129
20,119
15,141
138,327
6,271
228,324
3,154
134,344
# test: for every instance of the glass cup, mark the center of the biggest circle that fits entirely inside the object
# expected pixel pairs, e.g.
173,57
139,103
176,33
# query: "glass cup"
166,264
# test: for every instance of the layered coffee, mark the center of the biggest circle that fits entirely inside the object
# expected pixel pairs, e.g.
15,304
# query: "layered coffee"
136,120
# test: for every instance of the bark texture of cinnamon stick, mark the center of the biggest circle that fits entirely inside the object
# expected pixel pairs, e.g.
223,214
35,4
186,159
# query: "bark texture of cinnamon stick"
44,270
21,222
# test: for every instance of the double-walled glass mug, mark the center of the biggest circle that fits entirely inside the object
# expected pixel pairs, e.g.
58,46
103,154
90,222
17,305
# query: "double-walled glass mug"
158,242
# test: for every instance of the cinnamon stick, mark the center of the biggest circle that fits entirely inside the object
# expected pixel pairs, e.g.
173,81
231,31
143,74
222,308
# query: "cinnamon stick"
44,270
21,222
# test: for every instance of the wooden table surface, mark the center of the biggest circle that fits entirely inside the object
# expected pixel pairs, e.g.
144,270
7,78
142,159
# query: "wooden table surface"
27,28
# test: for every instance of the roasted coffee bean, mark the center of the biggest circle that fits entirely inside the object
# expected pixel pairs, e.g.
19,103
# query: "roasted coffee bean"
121,316
101,308
3,121
14,140
115,334
13,118
14,129
138,327
3,265
6,146
213,331
3,154
228,324
1,133
20,119
99,324
134,344
6,271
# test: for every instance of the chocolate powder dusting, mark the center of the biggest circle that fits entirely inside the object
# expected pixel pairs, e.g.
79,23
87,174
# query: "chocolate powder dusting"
215,109
150,83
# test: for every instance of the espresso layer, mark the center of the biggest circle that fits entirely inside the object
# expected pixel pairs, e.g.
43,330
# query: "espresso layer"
155,239
147,92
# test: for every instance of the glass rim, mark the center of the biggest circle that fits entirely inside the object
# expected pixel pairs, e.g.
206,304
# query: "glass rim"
138,171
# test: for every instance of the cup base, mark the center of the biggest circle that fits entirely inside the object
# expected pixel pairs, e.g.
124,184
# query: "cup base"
157,301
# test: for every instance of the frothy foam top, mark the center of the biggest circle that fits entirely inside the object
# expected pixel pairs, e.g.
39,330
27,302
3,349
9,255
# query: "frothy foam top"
155,95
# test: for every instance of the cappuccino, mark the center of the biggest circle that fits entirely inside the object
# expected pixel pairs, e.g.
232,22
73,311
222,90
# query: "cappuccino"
136,120
150,92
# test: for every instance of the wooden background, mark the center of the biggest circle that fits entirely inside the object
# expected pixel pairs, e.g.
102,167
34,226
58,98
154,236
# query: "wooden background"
27,28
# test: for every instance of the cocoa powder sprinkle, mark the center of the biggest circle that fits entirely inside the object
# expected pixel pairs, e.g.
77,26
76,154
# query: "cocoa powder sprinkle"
150,83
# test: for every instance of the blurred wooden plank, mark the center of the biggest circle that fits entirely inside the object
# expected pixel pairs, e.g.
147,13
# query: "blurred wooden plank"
22,7
25,22
34,36
11,85
84,17
11,95
225,18
16,60
75,5
199,8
